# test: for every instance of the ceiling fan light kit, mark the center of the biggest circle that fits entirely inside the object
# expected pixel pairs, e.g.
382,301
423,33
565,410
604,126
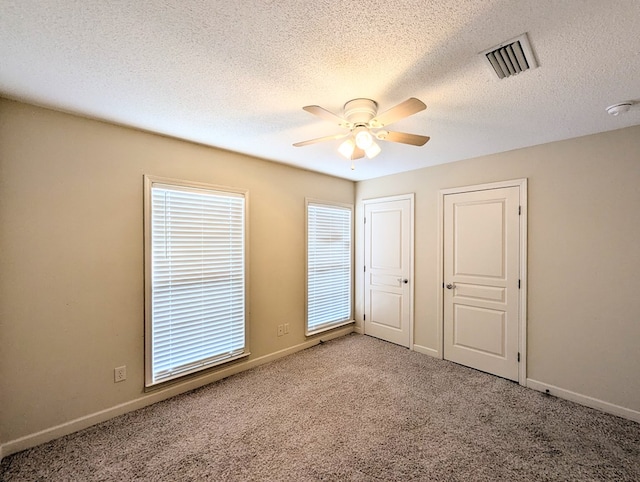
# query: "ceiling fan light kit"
373,150
363,137
347,148
364,125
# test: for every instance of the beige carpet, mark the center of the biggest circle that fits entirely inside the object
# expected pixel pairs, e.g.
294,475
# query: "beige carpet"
355,408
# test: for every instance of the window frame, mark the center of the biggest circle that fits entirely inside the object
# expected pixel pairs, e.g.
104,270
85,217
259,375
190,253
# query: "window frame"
350,320
179,184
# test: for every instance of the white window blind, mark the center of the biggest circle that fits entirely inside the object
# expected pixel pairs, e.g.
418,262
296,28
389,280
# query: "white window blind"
329,276
197,249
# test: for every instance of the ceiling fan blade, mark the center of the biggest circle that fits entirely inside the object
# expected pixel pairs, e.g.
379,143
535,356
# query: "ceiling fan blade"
400,111
404,138
326,115
357,154
321,139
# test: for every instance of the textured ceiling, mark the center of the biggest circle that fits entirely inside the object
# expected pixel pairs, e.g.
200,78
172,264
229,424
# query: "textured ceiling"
236,74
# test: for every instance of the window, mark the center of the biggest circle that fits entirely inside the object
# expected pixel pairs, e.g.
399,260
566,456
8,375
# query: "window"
194,278
329,261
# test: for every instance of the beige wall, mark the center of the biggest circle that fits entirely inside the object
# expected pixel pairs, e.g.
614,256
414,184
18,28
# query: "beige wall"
583,256
71,259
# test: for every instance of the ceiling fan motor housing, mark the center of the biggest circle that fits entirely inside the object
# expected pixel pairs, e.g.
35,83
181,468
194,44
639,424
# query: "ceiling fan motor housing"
360,111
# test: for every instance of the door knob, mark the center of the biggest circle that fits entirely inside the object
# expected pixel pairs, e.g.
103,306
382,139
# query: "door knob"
403,280
450,286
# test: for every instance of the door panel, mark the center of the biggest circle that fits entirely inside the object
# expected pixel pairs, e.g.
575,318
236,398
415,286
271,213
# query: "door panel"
386,309
479,229
481,271
387,265
386,232
479,329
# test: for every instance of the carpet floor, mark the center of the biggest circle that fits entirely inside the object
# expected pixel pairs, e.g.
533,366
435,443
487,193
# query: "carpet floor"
355,408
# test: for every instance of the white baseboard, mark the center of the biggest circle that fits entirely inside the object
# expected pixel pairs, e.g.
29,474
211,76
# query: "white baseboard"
358,329
427,351
585,400
86,421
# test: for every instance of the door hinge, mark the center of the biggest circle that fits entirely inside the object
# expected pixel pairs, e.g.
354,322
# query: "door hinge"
518,284
518,357
364,317
519,210
365,220
365,269
443,284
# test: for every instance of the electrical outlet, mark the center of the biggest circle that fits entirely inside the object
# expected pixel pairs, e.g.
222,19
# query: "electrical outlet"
119,374
286,328
280,330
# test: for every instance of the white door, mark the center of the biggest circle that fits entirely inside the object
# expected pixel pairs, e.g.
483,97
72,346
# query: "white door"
388,269
481,278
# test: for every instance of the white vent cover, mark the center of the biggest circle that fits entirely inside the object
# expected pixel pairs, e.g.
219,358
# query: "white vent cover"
511,57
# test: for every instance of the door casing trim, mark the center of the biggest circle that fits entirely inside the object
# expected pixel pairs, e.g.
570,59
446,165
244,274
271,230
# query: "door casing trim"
401,197
522,314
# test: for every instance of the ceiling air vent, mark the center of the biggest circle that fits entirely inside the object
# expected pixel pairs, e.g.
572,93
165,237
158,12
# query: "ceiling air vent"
511,57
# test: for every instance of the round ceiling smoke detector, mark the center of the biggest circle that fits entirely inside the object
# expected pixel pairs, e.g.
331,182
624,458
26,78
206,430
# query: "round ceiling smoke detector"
621,108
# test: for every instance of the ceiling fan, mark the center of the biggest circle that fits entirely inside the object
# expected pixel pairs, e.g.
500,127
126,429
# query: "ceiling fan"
363,124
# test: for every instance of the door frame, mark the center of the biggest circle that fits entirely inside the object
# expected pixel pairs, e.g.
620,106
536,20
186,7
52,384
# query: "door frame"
400,197
522,299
